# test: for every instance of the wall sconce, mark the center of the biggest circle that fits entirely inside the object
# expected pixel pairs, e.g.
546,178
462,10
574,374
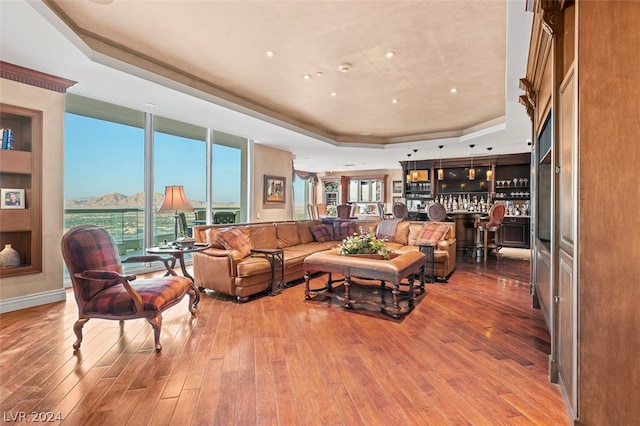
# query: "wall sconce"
440,170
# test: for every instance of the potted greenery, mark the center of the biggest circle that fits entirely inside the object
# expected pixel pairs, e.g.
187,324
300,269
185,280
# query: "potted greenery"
364,244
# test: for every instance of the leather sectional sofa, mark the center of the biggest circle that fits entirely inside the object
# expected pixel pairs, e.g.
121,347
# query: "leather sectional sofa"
234,271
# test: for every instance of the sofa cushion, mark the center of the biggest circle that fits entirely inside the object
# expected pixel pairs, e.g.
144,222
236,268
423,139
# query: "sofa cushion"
414,232
321,233
210,237
432,233
387,229
305,234
234,239
402,233
343,229
253,265
287,235
263,236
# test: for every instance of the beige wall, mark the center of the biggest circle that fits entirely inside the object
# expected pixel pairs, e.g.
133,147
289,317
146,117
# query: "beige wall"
45,287
273,162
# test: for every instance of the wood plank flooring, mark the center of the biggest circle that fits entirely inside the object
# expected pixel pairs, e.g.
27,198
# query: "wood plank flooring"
473,352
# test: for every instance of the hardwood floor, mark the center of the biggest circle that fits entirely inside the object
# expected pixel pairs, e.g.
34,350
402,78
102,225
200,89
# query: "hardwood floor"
473,351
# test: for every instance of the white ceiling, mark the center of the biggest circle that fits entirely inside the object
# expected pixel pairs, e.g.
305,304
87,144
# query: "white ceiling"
205,63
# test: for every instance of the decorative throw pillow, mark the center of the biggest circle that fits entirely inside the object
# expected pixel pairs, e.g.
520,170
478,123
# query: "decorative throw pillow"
320,233
342,230
387,230
234,239
432,233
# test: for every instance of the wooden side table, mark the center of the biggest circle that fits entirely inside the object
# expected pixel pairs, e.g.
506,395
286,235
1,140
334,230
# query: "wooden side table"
179,254
430,264
276,259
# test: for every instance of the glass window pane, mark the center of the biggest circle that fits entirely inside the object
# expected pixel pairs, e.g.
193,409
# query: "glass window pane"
227,180
104,179
300,195
178,161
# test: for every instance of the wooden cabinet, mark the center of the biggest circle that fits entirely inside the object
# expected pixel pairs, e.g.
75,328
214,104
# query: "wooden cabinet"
21,168
515,232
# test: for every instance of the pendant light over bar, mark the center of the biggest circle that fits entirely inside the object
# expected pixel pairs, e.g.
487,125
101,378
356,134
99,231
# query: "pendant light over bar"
472,171
490,170
440,170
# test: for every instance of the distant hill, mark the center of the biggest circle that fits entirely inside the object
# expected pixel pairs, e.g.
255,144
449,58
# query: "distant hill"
121,201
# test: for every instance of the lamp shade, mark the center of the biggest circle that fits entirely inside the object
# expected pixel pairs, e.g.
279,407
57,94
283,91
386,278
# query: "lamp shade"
174,200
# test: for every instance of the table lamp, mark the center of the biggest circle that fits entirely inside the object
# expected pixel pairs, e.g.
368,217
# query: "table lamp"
174,200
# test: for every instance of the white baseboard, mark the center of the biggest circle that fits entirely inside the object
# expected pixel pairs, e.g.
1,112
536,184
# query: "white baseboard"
24,302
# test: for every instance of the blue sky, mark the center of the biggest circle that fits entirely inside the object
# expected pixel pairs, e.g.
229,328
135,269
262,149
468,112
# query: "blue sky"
102,157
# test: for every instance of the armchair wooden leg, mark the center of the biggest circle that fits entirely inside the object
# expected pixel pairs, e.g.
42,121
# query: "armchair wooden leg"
156,323
192,300
77,328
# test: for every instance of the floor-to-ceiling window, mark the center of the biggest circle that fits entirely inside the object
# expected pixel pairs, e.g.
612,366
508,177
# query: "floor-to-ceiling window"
103,173
300,197
179,160
227,177
105,170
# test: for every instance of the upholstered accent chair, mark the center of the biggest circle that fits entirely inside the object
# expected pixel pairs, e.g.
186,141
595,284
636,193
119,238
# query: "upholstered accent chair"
344,211
102,291
493,224
436,212
322,210
400,210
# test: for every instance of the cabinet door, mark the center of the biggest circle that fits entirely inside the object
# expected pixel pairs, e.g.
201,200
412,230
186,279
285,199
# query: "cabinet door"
515,232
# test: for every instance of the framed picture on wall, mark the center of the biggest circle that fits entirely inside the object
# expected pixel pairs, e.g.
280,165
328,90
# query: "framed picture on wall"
274,189
397,186
12,198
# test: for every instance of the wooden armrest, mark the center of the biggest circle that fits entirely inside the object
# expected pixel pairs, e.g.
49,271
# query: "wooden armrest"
98,275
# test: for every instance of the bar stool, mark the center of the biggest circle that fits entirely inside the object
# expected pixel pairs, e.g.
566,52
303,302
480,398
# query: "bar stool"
496,214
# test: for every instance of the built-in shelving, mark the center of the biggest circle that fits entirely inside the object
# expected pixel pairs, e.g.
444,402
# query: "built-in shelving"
21,168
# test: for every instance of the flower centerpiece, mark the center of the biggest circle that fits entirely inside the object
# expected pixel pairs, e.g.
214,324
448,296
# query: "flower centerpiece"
363,243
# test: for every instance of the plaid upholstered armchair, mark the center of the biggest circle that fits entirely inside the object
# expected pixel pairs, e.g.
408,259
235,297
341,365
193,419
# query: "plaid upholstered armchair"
102,291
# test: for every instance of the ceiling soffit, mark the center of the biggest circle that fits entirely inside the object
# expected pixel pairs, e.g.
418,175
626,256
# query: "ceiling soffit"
219,48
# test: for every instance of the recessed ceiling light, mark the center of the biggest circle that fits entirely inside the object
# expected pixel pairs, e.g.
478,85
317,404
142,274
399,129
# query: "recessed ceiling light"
319,74
344,68
270,53
307,76
390,54
394,101
334,94
149,104
454,90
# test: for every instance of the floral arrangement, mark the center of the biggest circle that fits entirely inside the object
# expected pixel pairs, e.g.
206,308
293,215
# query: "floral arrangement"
363,244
